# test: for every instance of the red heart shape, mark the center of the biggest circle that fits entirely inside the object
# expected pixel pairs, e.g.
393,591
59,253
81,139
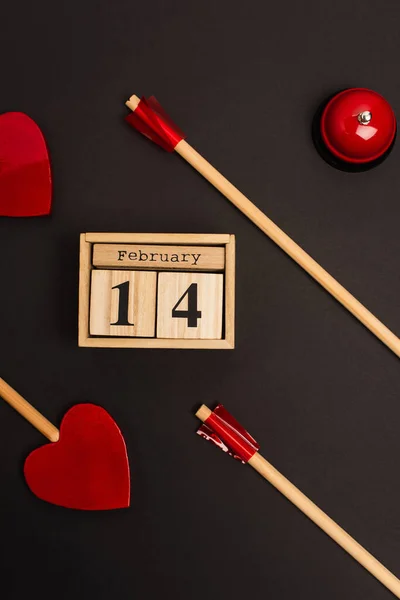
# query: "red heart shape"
87,468
25,176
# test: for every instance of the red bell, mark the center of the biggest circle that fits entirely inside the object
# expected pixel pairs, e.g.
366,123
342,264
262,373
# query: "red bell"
357,129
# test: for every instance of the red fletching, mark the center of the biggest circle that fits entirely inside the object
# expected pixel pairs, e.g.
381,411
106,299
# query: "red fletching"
226,433
153,122
208,434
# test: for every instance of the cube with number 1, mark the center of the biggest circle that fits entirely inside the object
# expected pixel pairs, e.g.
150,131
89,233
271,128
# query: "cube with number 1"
123,303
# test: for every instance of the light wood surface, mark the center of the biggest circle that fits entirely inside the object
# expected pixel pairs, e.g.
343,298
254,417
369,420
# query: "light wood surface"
230,291
189,344
86,267
147,256
283,241
206,239
133,102
209,293
105,303
28,412
203,413
313,512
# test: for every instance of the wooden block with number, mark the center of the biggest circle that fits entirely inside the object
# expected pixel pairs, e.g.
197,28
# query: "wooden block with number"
190,305
123,303
147,256
158,254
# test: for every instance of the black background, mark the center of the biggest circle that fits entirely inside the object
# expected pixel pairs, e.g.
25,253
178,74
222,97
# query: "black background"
318,391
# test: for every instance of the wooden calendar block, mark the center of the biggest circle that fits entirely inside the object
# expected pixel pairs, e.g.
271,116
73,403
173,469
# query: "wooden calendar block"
146,256
167,254
190,305
123,303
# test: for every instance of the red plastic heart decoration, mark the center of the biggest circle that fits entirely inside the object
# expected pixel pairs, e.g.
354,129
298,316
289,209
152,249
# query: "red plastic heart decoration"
87,468
25,175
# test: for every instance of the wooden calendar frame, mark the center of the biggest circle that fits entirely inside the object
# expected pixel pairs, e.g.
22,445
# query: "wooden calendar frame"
85,268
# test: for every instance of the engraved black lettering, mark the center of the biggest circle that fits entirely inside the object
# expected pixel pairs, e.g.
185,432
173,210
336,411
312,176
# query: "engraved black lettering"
123,303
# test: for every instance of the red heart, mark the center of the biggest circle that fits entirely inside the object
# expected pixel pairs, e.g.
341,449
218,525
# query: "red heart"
87,468
25,176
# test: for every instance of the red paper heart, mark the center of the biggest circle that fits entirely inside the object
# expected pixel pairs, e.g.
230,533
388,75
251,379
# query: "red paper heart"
25,176
87,468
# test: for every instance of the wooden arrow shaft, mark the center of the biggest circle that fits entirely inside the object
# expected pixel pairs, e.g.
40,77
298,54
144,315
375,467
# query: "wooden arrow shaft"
289,246
28,411
284,241
313,512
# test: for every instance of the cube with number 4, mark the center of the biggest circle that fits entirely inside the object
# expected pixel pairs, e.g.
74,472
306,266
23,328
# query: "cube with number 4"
190,305
123,303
